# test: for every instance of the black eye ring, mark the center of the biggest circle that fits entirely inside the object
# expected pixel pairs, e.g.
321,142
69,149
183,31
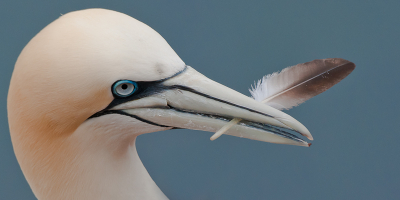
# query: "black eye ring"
124,88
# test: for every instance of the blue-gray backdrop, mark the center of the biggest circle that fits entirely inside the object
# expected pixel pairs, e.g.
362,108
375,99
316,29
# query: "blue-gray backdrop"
355,123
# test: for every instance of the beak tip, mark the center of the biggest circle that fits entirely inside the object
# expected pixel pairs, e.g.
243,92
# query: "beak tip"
310,137
305,132
309,144
297,126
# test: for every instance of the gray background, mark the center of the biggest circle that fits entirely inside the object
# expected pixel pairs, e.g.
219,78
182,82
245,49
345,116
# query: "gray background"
355,123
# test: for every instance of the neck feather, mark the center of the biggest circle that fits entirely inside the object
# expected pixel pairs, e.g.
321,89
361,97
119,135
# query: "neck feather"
98,161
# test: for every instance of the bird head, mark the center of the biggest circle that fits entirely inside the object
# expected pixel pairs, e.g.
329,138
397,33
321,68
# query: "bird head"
96,62
102,70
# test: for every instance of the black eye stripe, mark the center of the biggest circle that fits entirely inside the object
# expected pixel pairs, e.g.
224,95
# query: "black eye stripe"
142,89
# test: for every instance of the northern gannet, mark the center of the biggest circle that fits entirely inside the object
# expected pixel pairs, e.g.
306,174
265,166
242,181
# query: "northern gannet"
93,80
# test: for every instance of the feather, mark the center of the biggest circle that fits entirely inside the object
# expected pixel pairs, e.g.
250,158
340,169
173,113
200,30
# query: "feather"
294,85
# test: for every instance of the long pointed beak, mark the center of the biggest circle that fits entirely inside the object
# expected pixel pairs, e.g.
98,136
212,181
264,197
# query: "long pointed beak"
192,101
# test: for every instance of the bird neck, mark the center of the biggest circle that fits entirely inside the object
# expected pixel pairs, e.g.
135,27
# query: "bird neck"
95,162
120,175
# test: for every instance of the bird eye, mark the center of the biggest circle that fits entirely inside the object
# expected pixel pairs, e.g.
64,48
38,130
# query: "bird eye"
124,88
